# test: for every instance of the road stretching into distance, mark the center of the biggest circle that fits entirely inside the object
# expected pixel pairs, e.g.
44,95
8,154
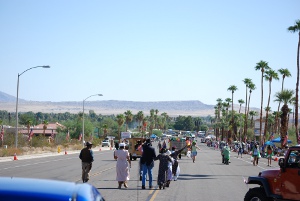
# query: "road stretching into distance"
206,179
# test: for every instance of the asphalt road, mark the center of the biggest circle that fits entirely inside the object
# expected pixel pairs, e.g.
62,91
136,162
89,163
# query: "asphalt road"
206,179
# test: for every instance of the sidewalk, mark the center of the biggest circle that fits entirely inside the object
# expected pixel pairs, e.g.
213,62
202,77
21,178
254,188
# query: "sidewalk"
31,156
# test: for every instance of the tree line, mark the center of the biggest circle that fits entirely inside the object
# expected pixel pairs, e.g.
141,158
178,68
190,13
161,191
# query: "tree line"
233,125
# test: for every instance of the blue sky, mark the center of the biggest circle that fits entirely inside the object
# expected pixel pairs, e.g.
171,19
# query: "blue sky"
144,50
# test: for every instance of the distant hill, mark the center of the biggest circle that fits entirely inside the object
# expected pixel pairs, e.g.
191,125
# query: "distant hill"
4,97
106,107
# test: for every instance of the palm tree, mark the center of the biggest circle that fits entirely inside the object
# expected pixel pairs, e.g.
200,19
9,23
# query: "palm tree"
262,66
140,117
155,118
219,104
247,82
120,121
284,96
45,123
28,124
251,87
105,129
232,88
269,76
128,118
294,29
165,119
241,102
252,114
285,73
293,102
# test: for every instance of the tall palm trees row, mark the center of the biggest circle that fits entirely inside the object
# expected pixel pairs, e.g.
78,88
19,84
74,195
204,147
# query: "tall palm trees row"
285,96
269,75
296,29
153,121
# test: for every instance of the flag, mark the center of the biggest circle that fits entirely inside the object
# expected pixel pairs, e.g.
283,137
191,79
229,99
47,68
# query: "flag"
30,135
2,134
67,136
80,136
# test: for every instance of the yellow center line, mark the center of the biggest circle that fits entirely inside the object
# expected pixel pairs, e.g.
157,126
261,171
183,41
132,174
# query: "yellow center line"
98,173
154,195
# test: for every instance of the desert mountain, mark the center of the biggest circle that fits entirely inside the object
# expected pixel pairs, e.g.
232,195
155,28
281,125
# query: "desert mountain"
106,107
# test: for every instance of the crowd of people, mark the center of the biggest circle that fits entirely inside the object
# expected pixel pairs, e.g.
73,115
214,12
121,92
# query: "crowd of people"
168,167
168,164
269,151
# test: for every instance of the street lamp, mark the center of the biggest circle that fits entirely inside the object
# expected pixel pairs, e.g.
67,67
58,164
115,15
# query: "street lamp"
16,134
83,116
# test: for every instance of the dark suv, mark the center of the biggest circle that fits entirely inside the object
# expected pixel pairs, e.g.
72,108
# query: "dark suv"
280,184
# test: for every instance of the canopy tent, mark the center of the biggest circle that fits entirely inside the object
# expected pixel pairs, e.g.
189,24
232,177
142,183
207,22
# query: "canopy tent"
269,143
278,140
153,136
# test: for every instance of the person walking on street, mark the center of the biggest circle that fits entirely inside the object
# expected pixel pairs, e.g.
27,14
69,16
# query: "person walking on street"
87,157
255,154
175,167
147,161
123,165
159,146
226,154
164,160
269,154
240,150
164,145
169,172
194,148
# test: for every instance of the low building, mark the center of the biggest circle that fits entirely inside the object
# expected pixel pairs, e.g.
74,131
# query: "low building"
38,129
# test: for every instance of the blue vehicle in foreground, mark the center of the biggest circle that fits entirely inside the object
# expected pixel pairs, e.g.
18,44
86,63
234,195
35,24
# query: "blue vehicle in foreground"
32,189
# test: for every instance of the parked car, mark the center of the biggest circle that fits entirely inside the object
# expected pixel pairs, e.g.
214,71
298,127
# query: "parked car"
105,143
32,189
278,184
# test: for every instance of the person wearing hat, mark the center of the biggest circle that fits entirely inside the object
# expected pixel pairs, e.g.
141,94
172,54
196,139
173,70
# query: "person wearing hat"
87,157
122,167
147,162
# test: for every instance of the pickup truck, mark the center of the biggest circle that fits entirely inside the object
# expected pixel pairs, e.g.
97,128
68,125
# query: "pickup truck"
278,184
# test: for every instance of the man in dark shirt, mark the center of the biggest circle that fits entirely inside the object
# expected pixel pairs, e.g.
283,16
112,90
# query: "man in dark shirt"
147,161
87,157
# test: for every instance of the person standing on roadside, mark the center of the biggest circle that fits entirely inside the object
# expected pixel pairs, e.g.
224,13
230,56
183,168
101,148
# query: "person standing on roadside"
87,157
147,161
269,154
